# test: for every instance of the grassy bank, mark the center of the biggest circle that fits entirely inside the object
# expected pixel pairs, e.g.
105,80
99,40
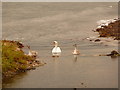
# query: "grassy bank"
14,60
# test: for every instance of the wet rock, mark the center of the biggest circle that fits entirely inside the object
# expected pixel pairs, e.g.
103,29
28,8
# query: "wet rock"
82,83
114,53
94,30
97,40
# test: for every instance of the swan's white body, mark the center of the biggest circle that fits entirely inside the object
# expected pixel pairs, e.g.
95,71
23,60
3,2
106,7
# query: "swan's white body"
76,52
56,51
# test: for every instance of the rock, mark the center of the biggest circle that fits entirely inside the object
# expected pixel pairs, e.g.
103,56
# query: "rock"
109,28
113,53
82,83
97,40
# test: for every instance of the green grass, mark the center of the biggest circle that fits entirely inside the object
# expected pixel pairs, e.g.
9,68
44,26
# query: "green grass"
13,59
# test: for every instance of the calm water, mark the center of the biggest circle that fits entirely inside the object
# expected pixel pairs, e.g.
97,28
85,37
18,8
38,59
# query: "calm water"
39,24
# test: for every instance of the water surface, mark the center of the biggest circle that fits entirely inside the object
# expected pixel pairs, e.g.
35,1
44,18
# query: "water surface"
39,24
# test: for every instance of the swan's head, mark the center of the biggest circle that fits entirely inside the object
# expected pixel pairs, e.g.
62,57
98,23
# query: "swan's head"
55,43
75,45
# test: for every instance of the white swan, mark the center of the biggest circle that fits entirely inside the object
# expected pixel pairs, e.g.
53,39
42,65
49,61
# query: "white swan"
76,52
56,51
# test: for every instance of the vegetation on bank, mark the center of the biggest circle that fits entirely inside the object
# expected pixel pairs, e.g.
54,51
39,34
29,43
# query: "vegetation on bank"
14,60
112,30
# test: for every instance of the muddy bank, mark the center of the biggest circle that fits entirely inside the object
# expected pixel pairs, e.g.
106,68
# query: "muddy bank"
15,60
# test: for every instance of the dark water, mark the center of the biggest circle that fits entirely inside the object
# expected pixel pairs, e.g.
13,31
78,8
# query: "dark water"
39,24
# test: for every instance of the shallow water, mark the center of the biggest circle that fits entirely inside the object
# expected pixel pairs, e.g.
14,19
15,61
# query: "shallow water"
39,24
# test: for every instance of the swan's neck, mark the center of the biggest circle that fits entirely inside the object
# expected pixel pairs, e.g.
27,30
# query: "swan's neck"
56,45
75,48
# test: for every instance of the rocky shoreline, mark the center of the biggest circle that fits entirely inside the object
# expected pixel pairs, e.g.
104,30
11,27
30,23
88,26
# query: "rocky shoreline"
109,28
14,59
108,34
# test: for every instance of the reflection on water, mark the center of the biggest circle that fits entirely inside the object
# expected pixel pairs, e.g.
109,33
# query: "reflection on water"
55,58
13,80
114,57
75,58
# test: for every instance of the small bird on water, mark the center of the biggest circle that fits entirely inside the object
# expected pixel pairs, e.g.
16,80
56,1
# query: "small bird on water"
32,53
76,52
